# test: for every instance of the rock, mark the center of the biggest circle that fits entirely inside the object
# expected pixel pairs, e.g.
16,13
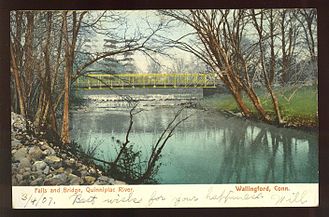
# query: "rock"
68,170
75,180
36,182
89,179
26,175
51,151
104,180
15,143
53,161
46,170
39,165
19,177
92,170
35,152
19,137
70,162
59,179
59,170
47,150
17,122
64,155
20,154
59,167
83,173
44,147
117,182
24,163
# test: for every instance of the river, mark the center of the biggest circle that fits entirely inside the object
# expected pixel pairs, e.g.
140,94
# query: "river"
207,148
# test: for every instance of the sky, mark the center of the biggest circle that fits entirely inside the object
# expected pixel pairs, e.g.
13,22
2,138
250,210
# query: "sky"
139,20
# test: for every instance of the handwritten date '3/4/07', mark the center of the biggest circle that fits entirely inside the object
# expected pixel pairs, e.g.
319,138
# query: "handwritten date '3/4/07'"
37,200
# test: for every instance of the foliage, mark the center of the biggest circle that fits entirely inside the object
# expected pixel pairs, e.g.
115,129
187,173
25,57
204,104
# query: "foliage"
300,110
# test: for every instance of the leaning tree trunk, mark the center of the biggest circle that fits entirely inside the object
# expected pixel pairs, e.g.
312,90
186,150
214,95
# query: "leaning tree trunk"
257,104
19,90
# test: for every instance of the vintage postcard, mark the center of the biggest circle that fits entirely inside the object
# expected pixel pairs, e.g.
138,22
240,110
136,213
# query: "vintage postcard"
164,108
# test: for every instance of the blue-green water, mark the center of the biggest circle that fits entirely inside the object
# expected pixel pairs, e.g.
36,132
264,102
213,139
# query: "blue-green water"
206,148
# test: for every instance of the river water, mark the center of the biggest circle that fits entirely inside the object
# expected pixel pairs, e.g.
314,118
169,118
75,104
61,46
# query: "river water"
207,148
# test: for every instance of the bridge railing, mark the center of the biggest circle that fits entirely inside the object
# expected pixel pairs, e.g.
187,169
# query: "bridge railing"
200,80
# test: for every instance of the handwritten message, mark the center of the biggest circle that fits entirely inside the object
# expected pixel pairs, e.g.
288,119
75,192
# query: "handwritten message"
158,196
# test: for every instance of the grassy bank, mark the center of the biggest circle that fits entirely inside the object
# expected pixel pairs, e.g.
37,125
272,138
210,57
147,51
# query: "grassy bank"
299,106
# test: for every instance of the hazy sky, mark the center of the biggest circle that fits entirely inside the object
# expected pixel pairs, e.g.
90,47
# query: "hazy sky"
140,20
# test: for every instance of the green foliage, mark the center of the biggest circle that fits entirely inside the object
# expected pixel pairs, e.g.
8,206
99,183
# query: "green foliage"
299,105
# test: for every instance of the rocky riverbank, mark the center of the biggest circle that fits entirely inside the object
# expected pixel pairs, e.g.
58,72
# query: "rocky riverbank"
37,161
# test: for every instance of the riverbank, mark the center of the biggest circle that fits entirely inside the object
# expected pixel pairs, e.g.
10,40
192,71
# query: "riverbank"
299,107
38,159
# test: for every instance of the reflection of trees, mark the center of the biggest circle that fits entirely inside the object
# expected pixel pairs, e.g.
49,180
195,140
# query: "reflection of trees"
252,154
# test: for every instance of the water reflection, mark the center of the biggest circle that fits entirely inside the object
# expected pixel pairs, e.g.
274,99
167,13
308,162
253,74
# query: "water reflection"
267,154
210,148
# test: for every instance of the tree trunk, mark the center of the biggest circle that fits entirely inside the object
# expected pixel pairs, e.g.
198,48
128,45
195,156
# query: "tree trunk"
238,98
18,83
275,105
258,105
65,125
65,134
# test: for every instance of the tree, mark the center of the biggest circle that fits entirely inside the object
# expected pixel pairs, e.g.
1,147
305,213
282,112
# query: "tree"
225,41
219,34
47,57
267,73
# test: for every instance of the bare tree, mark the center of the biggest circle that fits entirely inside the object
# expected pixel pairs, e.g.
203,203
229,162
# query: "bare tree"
220,34
45,51
225,40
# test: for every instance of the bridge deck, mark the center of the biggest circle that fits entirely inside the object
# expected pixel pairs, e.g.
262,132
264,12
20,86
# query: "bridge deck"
124,81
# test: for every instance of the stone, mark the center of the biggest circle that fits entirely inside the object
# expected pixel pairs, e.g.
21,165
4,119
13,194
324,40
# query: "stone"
35,152
104,180
39,165
70,162
24,163
89,179
36,182
20,154
44,147
68,170
47,150
74,179
59,179
15,143
117,182
62,177
46,170
92,170
19,177
26,175
53,161
83,173
59,170
64,155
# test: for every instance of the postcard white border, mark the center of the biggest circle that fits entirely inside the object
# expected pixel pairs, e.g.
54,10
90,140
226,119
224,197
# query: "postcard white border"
165,196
